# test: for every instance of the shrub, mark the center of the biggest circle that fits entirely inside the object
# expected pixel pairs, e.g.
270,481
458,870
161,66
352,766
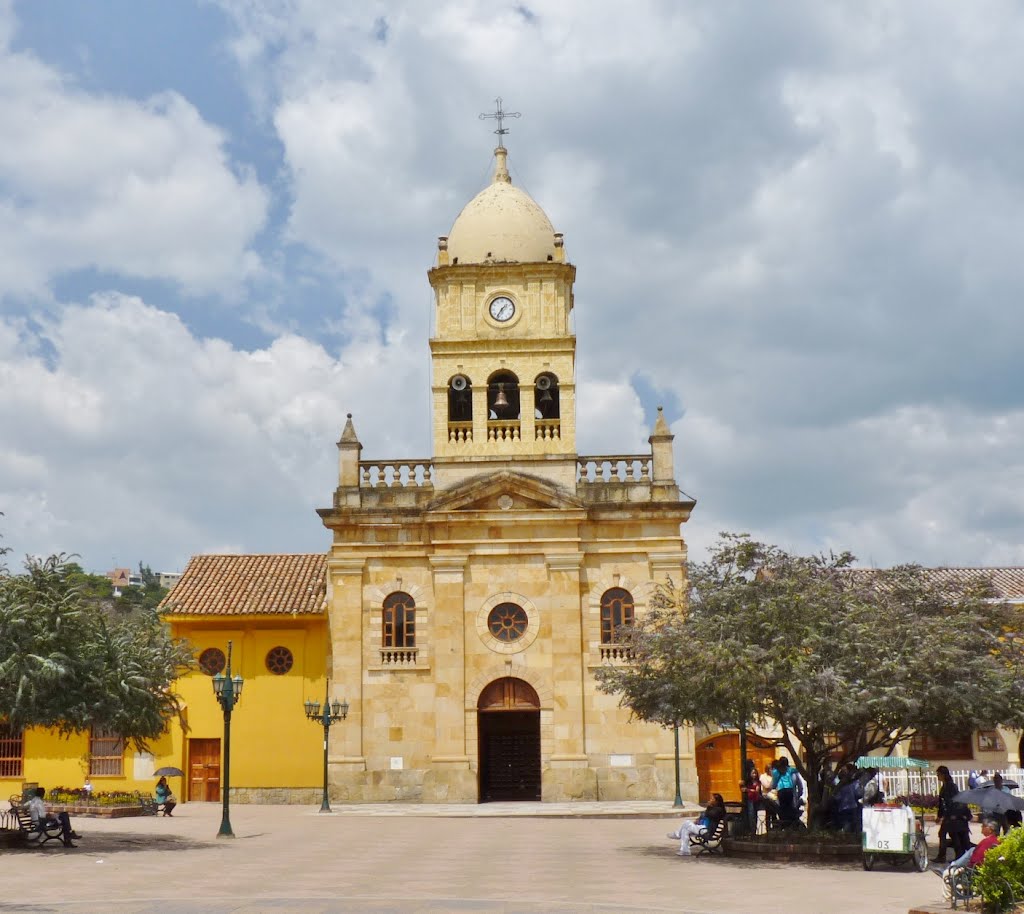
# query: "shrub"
1000,879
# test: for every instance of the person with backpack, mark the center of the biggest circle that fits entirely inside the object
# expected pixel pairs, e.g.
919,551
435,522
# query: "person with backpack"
787,781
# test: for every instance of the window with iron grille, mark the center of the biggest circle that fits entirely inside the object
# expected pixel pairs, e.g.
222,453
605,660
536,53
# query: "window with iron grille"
399,620
12,752
616,613
945,747
106,753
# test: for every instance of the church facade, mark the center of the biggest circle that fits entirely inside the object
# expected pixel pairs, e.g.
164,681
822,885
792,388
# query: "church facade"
471,595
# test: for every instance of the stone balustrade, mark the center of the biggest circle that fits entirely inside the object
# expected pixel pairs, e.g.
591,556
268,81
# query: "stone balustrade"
547,429
503,430
398,656
460,431
616,653
615,469
392,474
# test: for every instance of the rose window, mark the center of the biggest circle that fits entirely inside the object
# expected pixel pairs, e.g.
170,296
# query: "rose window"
507,622
279,660
212,661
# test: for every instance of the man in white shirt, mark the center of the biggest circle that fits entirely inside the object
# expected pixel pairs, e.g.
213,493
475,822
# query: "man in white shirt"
37,810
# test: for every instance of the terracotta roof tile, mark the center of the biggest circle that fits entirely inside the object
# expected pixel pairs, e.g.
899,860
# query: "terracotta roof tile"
1008,581
229,585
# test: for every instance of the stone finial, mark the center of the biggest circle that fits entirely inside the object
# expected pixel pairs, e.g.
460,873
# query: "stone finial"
559,247
661,450
443,257
501,175
349,452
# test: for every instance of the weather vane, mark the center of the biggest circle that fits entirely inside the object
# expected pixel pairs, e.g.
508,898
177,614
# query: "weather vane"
499,116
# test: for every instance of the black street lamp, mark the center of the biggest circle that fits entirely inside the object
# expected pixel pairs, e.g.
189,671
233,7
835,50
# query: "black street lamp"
228,691
679,796
331,714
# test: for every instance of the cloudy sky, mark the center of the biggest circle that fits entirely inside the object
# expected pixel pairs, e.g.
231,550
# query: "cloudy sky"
797,225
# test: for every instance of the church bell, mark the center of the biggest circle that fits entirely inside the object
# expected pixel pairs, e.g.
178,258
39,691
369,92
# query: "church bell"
500,401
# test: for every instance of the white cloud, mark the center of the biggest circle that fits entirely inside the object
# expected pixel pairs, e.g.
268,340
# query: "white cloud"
138,187
799,221
138,436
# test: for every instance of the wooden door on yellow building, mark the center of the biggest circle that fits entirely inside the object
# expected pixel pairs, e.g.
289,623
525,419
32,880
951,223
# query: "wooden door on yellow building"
718,764
204,770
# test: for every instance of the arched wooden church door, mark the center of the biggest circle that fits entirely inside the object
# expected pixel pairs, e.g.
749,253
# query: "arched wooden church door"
508,728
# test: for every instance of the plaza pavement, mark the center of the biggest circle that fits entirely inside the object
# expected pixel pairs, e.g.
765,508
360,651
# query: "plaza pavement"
490,859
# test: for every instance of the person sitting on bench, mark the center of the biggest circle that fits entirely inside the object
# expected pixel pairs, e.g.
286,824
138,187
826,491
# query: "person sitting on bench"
705,826
973,856
164,798
37,809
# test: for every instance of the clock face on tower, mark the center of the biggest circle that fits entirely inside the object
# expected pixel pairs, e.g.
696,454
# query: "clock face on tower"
502,308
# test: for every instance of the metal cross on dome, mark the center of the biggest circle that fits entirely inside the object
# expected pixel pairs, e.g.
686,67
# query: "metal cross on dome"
499,116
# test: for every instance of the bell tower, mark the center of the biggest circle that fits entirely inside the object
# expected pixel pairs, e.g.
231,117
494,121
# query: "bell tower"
503,354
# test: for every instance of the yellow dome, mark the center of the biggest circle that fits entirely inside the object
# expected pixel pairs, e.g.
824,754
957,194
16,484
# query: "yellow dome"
501,224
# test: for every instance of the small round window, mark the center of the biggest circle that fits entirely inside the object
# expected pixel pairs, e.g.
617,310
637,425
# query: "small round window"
212,661
279,660
507,622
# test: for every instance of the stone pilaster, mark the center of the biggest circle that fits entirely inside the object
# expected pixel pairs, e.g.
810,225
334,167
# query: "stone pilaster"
449,666
569,724
346,633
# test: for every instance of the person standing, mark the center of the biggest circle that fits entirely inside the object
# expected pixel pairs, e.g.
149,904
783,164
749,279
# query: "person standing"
784,781
947,790
751,787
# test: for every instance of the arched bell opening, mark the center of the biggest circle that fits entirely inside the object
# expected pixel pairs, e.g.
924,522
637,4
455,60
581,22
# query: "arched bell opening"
502,406
460,408
545,397
508,727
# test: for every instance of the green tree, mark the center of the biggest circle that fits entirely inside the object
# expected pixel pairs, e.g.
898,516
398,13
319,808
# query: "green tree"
835,661
69,664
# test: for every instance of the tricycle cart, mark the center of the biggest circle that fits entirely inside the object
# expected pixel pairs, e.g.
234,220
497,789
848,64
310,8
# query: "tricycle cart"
891,831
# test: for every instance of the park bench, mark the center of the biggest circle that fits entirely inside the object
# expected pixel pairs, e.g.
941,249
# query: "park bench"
710,843
150,807
959,883
36,837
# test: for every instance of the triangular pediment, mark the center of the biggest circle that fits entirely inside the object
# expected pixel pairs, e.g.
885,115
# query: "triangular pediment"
505,491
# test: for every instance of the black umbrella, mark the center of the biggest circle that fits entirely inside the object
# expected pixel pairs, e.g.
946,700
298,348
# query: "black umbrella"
168,772
988,799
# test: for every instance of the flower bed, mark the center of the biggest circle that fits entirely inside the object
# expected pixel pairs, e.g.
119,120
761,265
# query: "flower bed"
98,812
113,804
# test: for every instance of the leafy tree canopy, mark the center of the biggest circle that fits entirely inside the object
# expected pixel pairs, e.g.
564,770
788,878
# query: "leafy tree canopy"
836,661
70,663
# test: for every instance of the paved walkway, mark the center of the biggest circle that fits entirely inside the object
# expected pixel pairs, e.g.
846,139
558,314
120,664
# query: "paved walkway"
491,859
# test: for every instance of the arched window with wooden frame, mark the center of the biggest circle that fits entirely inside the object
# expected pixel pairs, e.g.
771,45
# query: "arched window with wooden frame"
616,614
399,620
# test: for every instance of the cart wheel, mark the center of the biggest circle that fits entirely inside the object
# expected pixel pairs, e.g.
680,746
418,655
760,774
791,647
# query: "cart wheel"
920,854
869,861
